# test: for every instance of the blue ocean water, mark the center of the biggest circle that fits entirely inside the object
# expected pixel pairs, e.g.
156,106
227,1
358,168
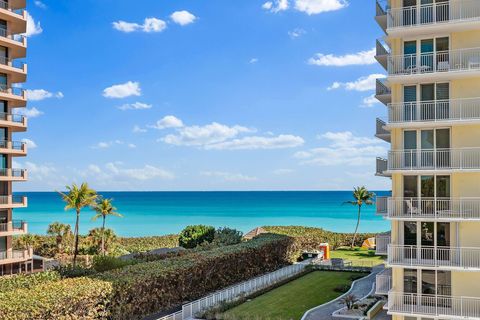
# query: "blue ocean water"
158,213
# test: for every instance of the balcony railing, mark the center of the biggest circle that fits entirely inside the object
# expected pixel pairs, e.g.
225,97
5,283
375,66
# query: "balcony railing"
434,208
17,37
435,13
381,49
5,6
431,62
434,305
13,173
383,282
381,244
434,257
382,205
17,118
434,111
17,64
381,88
381,8
13,145
435,159
12,90
381,132
15,201
16,254
382,167
15,225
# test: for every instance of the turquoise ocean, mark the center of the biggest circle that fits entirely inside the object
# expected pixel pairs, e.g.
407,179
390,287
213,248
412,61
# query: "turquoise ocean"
159,213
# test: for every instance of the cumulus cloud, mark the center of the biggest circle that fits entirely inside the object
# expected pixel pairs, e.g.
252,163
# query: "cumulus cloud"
108,144
42,94
359,58
138,129
30,143
33,28
124,90
228,176
167,122
39,172
296,33
40,4
135,106
319,6
183,17
369,101
276,5
258,142
147,172
253,60
361,84
149,25
30,113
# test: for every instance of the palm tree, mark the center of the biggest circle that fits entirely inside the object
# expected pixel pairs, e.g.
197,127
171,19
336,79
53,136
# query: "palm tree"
361,196
60,231
99,236
78,198
104,208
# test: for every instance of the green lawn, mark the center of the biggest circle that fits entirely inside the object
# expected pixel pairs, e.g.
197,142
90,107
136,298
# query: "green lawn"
361,257
291,300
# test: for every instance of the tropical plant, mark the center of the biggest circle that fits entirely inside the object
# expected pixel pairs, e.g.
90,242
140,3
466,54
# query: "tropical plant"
104,208
27,241
61,232
77,198
349,301
193,236
361,196
226,236
98,237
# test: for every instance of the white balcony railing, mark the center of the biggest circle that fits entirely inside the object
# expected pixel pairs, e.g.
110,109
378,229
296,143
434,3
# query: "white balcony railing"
382,205
434,257
434,111
435,13
431,62
435,159
434,208
381,244
383,282
434,305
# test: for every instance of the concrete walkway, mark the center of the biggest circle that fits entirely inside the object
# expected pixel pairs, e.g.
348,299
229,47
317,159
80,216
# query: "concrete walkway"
360,289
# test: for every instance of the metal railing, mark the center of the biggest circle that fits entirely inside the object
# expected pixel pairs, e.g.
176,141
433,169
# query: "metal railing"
14,225
435,13
467,109
16,37
382,205
434,208
382,48
5,6
382,166
383,282
435,159
434,305
381,244
190,310
15,173
381,88
12,90
381,8
435,257
17,64
14,145
440,61
15,254
12,200
380,131
18,118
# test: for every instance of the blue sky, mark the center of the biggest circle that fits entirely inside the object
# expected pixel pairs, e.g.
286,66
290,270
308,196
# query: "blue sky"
202,95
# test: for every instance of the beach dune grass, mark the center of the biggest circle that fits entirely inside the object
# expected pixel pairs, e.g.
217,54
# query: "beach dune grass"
293,299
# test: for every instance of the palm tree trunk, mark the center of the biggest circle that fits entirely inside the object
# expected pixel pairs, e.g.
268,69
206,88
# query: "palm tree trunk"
103,236
356,228
75,252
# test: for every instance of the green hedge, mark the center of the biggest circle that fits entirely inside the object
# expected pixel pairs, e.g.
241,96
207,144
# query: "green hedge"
26,281
142,244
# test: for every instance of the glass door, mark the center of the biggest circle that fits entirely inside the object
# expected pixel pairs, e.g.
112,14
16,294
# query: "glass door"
427,145
442,145
427,238
410,103
427,188
410,195
410,148
426,11
442,100
410,56
427,96
409,12
443,241
410,239
442,45
426,57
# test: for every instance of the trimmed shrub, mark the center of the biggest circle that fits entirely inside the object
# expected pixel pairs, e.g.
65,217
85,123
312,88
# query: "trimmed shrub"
193,236
26,281
137,245
226,236
106,263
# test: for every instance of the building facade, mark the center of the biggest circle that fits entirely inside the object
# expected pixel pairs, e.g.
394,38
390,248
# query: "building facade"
431,52
13,47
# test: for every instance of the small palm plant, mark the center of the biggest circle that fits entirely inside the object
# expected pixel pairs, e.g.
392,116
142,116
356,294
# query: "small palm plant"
102,237
104,208
361,196
61,231
77,198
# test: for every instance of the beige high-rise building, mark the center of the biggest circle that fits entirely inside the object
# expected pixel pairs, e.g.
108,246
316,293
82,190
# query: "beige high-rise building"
431,51
13,47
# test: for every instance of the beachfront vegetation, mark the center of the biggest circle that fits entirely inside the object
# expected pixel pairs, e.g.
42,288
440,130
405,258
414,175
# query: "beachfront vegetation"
361,197
227,236
358,257
62,232
193,236
293,299
104,208
76,199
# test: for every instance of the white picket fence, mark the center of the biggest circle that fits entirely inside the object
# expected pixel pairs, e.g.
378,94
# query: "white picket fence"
190,310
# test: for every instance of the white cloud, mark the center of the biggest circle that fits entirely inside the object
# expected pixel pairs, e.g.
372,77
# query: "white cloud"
347,139
183,17
39,172
228,176
318,6
369,101
102,145
361,84
131,145
108,144
253,60
40,4
41,94
33,28
296,33
359,58
138,129
94,168
124,90
276,5
30,143
257,142
149,25
30,113
167,122
147,172
135,106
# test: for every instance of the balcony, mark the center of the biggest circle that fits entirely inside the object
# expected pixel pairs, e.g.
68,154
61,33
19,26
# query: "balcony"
382,53
381,13
16,43
434,209
12,202
430,113
433,66
382,167
434,305
381,132
16,97
15,256
381,243
382,92
15,148
15,15
13,175
445,258
383,282
452,160
16,69
13,228
441,16
16,122
382,205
